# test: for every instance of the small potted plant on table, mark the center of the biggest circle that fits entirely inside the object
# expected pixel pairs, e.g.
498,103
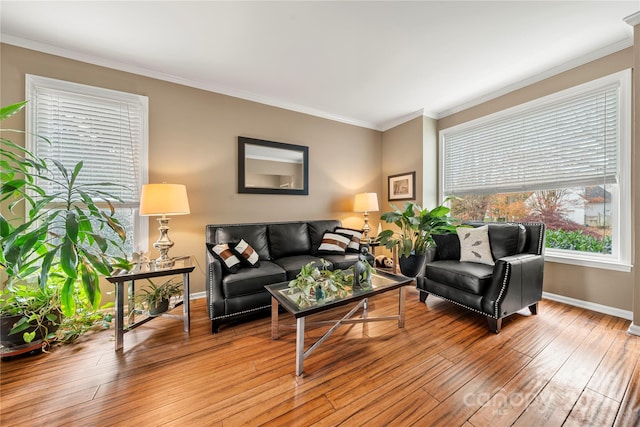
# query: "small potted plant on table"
157,297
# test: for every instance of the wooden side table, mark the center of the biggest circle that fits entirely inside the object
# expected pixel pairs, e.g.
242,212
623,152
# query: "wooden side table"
184,266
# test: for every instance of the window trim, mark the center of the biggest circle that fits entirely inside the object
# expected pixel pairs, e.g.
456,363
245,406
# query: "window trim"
140,240
620,259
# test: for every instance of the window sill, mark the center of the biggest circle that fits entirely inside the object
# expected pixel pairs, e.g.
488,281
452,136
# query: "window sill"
585,261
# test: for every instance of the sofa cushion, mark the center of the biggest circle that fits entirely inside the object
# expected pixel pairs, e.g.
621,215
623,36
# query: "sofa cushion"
225,255
354,235
288,239
334,243
245,253
474,245
467,276
507,239
251,280
254,234
447,246
317,229
467,299
293,264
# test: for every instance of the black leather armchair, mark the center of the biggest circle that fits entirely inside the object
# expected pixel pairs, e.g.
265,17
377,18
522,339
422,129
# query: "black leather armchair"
513,283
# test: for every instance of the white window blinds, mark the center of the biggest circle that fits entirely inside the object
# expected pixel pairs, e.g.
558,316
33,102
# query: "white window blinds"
105,129
561,143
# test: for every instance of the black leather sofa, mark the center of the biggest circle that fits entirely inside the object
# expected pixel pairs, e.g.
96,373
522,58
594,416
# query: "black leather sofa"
495,291
283,249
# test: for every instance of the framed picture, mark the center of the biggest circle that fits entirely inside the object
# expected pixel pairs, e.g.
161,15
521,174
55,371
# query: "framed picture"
402,186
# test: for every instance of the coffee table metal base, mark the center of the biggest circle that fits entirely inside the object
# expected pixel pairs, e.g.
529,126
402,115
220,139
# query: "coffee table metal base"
301,354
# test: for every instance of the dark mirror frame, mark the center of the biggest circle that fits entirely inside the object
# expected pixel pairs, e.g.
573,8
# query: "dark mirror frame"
242,188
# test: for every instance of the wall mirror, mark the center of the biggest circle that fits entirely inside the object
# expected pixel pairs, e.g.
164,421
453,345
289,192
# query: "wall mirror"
268,167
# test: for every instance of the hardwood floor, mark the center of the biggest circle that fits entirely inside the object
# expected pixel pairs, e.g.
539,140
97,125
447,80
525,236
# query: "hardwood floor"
565,366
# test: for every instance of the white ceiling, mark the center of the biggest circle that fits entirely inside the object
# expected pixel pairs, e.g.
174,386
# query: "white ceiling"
373,64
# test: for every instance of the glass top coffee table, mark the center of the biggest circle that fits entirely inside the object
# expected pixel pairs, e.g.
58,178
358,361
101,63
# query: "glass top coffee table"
281,295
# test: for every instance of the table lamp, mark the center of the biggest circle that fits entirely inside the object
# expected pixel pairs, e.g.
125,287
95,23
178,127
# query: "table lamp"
162,200
365,202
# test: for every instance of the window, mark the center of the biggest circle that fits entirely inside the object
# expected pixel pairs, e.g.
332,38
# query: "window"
105,129
563,159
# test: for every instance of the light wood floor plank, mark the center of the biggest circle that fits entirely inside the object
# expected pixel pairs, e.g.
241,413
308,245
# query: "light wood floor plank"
592,409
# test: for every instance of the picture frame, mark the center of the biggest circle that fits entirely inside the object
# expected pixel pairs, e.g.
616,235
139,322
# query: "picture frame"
402,186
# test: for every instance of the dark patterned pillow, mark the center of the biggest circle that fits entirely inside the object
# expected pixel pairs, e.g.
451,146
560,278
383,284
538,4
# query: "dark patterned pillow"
225,255
354,235
447,246
245,252
333,243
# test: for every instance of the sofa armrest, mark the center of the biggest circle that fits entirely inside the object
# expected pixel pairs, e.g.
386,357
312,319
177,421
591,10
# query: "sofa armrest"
215,297
516,283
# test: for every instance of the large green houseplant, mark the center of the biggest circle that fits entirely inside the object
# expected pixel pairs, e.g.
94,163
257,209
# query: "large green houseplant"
56,237
415,226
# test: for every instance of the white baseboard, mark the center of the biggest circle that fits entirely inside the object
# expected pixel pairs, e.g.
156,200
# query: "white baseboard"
624,314
634,329
198,295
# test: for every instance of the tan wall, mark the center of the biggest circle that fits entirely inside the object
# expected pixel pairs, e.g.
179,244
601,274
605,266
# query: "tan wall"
610,288
430,163
402,152
193,141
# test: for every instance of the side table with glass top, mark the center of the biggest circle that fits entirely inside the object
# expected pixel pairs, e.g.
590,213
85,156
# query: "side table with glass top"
183,265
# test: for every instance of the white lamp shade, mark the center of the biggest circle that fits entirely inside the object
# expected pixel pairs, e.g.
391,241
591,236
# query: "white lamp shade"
164,199
365,202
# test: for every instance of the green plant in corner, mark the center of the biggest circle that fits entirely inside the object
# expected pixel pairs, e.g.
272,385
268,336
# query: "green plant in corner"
416,226
31,311
55,227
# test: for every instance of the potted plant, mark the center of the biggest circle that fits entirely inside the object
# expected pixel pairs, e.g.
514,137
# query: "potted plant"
156,298
413,240
53,239
29,317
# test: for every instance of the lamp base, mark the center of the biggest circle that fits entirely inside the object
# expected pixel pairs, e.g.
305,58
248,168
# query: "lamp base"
366,229
163,244
163,264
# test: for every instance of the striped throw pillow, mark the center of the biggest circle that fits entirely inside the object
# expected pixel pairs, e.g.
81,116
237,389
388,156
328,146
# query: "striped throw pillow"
245,252
225,255
333,243
355,235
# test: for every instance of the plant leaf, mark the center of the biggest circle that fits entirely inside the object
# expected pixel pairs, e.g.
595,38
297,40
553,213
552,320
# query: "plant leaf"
68,303
69,259
10,110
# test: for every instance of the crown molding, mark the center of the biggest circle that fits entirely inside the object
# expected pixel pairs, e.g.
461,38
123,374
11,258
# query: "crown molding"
147,72
402,119
633,20
600,53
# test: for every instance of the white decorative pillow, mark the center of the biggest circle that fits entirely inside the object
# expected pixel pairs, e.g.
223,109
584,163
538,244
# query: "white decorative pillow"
474,245
333,243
